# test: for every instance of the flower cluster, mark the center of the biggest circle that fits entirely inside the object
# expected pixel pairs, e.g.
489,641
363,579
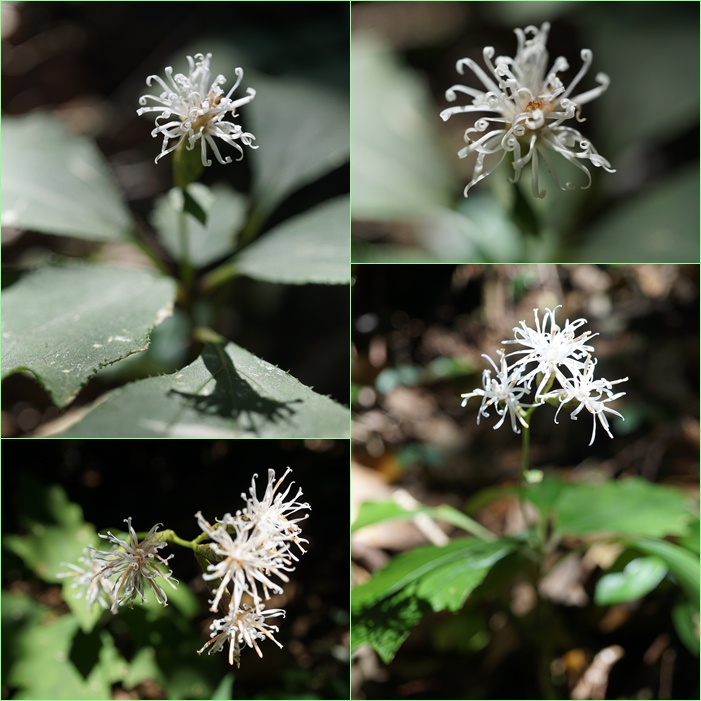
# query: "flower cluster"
249,549
531,107
198,107
116,577
246,552
552,354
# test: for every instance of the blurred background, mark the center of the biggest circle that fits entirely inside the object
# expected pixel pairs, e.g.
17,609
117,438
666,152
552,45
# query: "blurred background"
87,62
408,180
61,483
418,335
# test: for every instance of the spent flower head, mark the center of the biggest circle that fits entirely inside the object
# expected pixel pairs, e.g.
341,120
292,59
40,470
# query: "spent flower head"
88,580
193,108
134,563
531,105
242,626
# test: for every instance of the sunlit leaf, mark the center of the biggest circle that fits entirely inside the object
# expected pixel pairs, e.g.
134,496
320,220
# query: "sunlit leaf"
388,605
43,668
63,323
639,578
58,183
377,511
681,563
55,531
412,567
386,624
227,393
313,247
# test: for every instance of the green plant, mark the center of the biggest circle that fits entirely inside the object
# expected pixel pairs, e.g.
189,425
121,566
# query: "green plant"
66,320
631,520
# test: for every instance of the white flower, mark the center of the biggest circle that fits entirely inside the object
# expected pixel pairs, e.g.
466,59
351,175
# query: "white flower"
504,389
551,349
246,562
198,107
239,627
532,106
270,515
591,394
134,562
89,582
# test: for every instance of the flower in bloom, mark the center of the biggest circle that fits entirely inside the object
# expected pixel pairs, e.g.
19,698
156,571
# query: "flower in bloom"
242,626
134,563
271,514
503,389
244,561
88,580
245,552
532,107
590,394
551,350
193,108
552,354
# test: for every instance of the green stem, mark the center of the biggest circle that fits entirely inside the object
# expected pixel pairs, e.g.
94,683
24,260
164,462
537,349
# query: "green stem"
169,536
255,220
186,273
225,272
146,250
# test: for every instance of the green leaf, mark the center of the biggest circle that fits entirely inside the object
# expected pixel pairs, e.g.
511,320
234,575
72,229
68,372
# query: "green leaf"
312,247
545,494
398,170
376,512
681,563
87,615
656,225
630,506
225,213
464,559
58,183
639,578
690,540
143,666
19,612
663,41
225,688
226,393
56,532
395,599
302,131
44,670
63,323
683,615
386,624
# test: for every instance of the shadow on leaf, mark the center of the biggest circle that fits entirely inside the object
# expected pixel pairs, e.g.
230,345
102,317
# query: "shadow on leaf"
233,397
